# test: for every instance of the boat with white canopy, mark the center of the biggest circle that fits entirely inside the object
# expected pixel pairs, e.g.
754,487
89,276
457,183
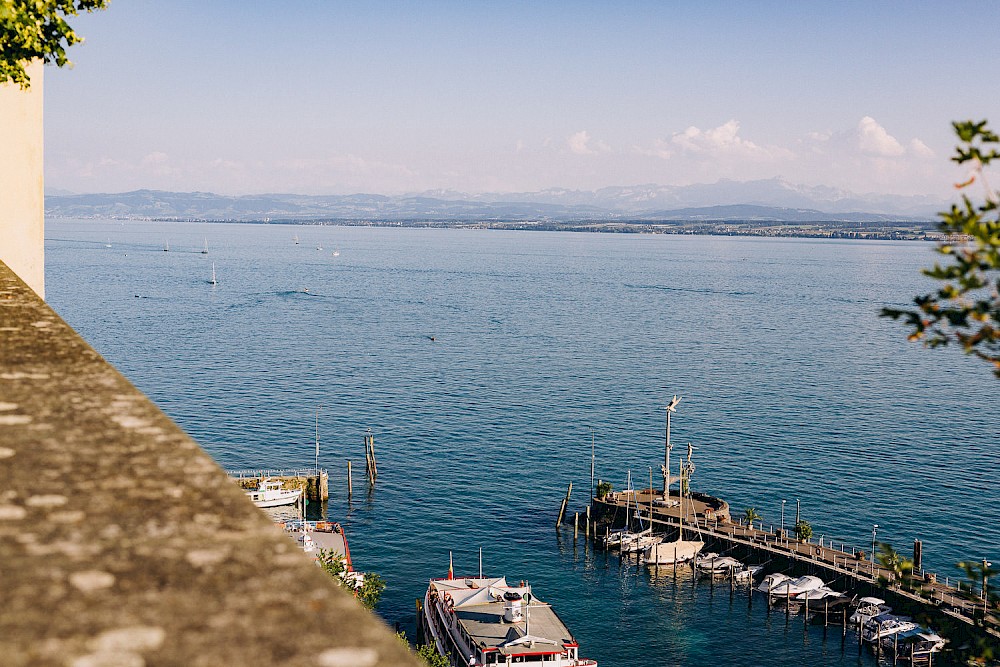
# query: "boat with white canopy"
480,621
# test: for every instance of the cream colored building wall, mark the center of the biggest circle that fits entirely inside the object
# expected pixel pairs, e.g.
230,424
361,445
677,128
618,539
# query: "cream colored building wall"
22,188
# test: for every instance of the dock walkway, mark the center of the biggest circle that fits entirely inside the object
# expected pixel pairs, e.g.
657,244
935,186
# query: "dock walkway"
716,524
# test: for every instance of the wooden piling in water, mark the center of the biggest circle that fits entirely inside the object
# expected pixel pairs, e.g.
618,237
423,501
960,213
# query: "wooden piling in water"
350,482
576,524
371,466
562,508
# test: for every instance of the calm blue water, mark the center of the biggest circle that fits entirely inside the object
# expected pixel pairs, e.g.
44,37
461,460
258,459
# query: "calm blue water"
793,389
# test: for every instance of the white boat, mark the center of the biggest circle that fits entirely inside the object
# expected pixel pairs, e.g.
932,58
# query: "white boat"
792,587
613,539
296,239
747,574
641,541
885,625
915,644
772,580
714,564
205,251
624,538
868,608
485,621
336,252
270,494
817,594
213,274
676,551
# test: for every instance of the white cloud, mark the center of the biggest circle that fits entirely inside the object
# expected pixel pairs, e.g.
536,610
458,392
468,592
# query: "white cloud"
875,141
581,144
920,149
156,157
714,143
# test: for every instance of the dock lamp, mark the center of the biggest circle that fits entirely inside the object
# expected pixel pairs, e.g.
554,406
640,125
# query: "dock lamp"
783,517
986,568
874,531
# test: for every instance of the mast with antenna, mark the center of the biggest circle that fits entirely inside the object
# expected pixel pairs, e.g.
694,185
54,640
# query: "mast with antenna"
671,407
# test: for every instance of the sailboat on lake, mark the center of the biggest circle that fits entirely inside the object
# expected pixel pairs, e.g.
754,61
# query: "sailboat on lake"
213,281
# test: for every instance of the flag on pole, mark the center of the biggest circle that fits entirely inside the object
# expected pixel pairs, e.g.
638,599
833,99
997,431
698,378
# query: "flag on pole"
451,567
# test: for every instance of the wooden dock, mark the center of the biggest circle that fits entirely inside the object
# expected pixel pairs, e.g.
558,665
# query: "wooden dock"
316,483
716,526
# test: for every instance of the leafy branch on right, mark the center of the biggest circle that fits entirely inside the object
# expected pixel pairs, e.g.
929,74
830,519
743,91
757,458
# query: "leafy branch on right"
965,308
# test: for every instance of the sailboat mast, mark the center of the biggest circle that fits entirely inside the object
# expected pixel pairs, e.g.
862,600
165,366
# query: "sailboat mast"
650,497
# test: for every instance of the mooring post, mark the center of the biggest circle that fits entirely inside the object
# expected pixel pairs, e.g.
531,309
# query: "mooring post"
350,482
576,524
805,611
587,529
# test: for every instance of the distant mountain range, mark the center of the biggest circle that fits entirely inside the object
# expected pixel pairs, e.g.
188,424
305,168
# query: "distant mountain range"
767,200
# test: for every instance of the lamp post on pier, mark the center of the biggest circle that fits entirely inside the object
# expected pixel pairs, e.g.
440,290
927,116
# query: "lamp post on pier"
671,407
874,532
986,599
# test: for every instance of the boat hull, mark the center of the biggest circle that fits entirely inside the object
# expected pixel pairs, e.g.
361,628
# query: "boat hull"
672,553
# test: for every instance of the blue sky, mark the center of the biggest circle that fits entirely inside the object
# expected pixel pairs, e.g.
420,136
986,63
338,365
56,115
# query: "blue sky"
339,97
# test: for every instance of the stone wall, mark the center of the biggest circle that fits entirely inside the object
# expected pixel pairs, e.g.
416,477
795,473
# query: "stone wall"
123,543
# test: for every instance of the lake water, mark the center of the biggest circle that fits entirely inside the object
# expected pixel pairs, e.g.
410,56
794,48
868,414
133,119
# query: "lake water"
482,359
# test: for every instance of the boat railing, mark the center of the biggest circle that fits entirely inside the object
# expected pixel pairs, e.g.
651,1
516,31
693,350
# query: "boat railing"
278,472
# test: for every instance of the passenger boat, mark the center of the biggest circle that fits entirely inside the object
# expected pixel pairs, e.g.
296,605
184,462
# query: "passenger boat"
270,494
485,621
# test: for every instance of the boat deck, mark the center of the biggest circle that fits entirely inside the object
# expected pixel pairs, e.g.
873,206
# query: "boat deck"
318,535
479,610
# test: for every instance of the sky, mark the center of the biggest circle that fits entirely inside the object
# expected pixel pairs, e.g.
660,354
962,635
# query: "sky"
326,97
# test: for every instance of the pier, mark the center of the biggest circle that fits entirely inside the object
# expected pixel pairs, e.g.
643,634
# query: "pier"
314,482
710,517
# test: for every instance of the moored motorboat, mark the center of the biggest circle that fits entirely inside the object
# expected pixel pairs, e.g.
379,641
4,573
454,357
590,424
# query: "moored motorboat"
772,580
641,542
868,608
270,494
713,564
485,621
885,625
914,645
792,587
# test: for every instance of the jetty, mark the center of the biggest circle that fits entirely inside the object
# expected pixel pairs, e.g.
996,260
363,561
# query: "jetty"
829,560
315,482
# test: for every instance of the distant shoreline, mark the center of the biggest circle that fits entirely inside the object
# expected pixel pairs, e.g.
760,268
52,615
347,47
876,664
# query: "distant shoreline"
904,230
